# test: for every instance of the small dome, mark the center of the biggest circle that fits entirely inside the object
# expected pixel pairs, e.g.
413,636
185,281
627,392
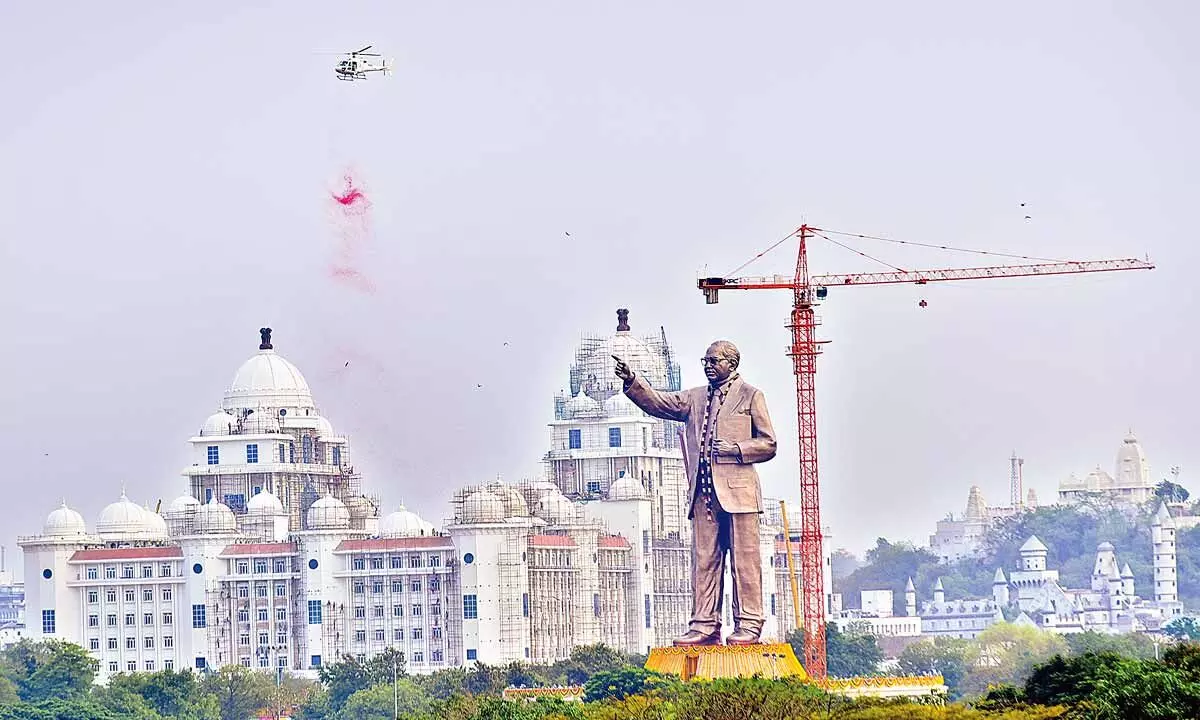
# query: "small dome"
582,406
122,520
534,490
328,513
264,503
361,506
259,423
1105,547
219,423
554,508
404,523
626,488
215,517
325,428
183,505
620,405
266,380
64,522
156,525
482,506
514,502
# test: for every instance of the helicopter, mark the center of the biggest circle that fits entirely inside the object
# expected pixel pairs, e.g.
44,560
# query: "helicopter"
357,67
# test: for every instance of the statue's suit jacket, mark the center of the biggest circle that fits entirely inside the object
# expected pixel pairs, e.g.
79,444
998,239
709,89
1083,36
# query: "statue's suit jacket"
743,420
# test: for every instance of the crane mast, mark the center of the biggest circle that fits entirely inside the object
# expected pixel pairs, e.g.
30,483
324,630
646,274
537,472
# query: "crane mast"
806,293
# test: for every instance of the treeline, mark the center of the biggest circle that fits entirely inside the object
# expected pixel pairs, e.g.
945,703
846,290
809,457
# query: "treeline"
1071,533
1009,673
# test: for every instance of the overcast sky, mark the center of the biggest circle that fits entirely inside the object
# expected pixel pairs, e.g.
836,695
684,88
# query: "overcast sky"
164,178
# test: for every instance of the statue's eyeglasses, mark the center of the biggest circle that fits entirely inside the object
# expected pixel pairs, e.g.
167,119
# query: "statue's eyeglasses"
710,360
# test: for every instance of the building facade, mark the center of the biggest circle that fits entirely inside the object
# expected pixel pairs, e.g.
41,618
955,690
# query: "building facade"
274,559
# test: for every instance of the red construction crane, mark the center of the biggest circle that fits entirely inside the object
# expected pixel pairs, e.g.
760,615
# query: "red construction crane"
807,293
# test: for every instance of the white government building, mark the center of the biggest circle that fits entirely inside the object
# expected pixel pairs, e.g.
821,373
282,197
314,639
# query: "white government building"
274,558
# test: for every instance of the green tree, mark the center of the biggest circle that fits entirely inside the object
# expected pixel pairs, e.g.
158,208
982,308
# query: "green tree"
945,656
1069,680
887,566
619,684
1183,628
344,678
1134,645
48,669
849,654
239,691
1170,492
378,702
587,660
169,693
843,563
1007,654
443,684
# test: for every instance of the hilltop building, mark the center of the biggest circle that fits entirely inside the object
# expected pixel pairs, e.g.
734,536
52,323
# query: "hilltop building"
1130,484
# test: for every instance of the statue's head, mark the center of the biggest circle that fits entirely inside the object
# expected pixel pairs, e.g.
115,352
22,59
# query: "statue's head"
721,361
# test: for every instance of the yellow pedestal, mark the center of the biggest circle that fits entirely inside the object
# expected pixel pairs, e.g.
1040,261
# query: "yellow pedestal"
708,662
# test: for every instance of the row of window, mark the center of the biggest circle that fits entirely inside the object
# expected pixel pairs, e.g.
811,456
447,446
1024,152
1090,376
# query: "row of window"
575,438
414,585
396,562
360,611
242,567
398,635
110,595
131,666
287,453
131,643
261,590
130,619
263,639
263,615
127,571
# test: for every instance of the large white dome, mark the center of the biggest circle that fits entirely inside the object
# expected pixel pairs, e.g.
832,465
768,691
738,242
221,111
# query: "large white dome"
328,513
267,380
215,517
264,503
64,522
122,520
404,523
649,356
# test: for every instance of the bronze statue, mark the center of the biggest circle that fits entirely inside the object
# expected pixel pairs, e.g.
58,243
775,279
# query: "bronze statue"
727,431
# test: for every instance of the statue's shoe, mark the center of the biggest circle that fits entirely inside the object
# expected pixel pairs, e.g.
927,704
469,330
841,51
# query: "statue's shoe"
695,637
742,637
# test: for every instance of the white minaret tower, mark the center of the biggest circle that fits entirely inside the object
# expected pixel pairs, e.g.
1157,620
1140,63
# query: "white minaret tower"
939,592
1162,534
910,599
1000,588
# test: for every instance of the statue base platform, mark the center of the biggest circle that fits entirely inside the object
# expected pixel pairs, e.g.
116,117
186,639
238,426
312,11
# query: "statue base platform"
709,662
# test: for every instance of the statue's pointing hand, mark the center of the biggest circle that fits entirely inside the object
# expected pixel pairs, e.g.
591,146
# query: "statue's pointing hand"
623,370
